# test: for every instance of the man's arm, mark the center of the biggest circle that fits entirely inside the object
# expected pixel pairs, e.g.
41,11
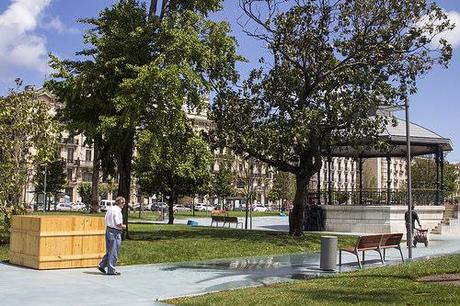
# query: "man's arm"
121,226
119,221
418,220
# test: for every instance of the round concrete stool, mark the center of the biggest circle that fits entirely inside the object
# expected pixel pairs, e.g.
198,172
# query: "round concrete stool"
328,260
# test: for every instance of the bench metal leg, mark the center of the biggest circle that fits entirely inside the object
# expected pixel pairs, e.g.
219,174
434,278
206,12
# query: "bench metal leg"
359,261
340,257
384,255
381,257
400,252
363,257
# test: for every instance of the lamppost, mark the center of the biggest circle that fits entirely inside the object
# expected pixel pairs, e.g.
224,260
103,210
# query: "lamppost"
409,180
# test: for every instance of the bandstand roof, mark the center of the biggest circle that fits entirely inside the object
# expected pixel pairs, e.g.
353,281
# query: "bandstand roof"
423,142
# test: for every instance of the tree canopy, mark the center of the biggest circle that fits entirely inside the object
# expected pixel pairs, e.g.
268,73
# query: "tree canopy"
27,139
329,65
175,163
283,187
55,177
424,175
223,183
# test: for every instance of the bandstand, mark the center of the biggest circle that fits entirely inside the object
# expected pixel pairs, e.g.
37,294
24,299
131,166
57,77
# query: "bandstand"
381,210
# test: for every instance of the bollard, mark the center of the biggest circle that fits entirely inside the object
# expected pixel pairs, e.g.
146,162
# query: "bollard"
328,260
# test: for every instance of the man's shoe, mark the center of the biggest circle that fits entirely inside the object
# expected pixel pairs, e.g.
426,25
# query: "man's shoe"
114,273
101,269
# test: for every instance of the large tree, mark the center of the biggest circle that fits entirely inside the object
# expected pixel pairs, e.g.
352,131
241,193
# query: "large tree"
424,175
145,64
283,188
223,184
174,163
328,64
27,131
55,178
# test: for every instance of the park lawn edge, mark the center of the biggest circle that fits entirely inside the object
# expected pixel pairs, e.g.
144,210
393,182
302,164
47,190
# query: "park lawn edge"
410,272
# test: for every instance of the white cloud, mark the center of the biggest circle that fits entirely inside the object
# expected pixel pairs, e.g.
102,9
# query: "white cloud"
57,25
20,45
453,36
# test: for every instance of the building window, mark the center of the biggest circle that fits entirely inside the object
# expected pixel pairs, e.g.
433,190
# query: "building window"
69,175
70,154
88,155
87,177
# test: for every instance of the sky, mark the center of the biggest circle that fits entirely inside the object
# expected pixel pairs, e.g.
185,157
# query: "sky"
31,29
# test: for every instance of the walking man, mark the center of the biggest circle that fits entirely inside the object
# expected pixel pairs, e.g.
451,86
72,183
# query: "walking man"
114,223
409,229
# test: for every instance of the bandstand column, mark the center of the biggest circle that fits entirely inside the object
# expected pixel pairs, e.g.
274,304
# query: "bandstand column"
388,180
442,177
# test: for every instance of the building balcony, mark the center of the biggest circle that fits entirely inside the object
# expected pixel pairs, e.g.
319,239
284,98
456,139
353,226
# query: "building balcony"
69,142
86,164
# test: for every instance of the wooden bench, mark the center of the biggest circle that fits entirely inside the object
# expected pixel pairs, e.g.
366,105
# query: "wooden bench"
391,241
364,243
225,220
376,243
232,220
217,219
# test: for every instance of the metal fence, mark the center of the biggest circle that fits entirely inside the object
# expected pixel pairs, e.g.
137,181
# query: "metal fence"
375,197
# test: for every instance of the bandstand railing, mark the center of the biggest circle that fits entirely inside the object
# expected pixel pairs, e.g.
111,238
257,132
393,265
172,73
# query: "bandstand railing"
375,196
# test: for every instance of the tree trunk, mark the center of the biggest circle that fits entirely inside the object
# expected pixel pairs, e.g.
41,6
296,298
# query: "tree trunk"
95,179
153,8
171,201
124,162
296,221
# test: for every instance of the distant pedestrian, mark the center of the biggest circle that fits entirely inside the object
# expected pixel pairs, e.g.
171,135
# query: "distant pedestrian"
115,226
409,229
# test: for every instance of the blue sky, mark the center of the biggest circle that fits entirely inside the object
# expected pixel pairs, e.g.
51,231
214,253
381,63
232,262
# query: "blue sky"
30,29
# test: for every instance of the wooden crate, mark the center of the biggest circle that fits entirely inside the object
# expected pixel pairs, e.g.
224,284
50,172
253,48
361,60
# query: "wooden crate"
57,242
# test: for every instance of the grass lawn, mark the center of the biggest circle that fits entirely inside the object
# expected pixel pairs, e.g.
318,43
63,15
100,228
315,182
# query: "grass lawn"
155,243
390,285
175,243
4,252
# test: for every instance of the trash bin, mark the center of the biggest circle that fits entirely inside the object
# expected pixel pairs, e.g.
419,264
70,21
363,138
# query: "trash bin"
328,260
192,223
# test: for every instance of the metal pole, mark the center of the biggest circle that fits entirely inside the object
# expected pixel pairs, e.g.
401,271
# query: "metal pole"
44,189
438,184
409,178
318,188
250,212
162,209
329,179
360,181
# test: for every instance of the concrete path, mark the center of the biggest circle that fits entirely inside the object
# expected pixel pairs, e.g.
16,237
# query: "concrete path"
275,223
148,284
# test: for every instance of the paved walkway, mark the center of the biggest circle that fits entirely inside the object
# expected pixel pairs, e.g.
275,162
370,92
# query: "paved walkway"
275,223
148,284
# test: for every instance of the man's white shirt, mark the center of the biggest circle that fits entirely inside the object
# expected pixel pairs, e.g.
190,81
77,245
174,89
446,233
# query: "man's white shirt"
113,217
